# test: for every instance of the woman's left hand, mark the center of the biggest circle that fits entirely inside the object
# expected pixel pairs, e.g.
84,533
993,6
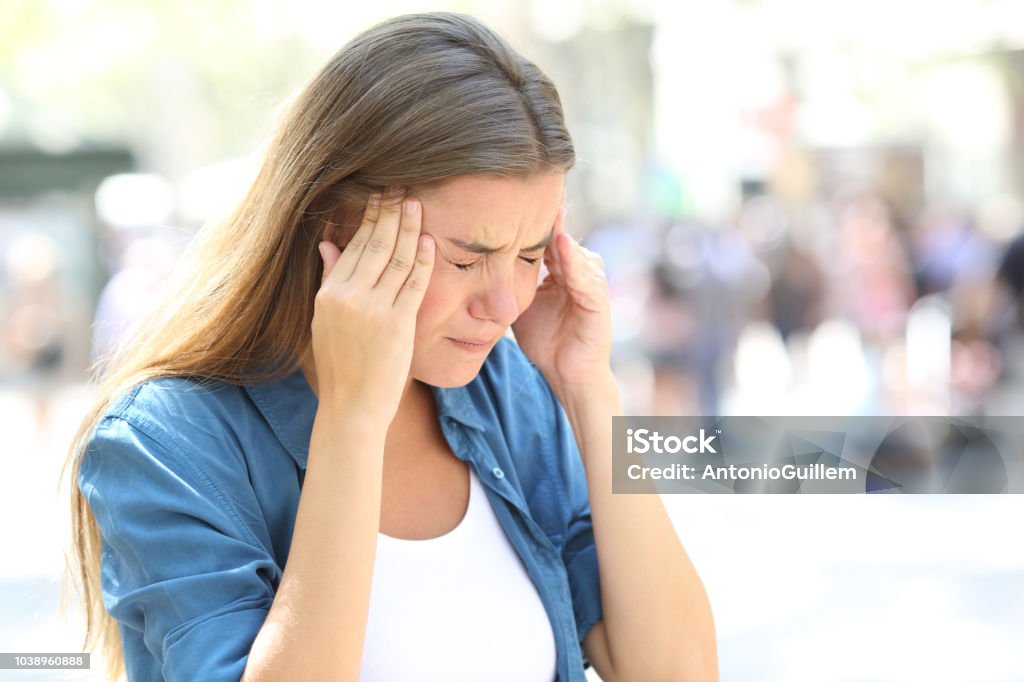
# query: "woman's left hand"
567,331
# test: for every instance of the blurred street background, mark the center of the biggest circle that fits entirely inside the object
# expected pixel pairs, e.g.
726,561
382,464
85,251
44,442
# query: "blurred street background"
805,207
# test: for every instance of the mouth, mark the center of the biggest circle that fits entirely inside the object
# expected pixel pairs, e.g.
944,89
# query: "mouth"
472,345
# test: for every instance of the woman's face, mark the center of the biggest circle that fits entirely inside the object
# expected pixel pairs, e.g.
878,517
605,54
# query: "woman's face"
490,235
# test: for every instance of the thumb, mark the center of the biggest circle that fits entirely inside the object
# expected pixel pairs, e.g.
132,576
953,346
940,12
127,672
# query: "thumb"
330,254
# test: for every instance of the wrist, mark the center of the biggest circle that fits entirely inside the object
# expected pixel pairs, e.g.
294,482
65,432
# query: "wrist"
342,413
602,389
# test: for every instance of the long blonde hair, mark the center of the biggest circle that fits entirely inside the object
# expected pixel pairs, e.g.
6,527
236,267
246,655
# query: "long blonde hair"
410,102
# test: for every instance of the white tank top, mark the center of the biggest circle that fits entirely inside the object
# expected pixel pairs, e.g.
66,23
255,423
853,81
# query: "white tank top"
456,608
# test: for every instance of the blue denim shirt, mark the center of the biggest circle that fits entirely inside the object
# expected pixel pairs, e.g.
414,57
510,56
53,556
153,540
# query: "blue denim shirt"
195,488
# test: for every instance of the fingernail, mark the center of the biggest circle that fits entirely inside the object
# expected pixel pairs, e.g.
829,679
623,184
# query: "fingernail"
426,244
411,206
375,200
320,248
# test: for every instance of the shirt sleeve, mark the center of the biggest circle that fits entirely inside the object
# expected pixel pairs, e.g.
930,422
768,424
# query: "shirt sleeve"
578,550
179,566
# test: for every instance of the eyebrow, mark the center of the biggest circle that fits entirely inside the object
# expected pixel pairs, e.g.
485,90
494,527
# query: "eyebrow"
477,247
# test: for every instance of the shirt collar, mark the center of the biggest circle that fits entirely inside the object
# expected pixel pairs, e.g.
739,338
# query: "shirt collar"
289,406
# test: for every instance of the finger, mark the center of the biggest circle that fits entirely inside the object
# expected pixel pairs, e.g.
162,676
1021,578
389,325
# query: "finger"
346,265
560,218
381,242
551,257
551,261
582,275
410,296
571,256
330,253
401,263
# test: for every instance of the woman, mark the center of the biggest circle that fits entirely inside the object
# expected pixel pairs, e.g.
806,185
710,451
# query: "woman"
321,459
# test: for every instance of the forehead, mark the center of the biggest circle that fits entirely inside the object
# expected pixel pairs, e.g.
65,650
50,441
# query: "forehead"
493,210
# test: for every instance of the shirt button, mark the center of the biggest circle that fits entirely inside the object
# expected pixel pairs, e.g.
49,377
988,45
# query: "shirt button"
498,473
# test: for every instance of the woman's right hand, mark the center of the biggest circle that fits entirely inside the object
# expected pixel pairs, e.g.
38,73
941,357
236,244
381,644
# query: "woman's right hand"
364,319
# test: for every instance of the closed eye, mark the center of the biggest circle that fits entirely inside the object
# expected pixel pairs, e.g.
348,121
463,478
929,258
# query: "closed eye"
467,266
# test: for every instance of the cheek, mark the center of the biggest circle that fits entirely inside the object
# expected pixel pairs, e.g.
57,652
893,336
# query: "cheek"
526,288
444,295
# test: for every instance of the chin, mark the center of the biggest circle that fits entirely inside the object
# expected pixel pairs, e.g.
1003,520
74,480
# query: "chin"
447,384
440,379
442,375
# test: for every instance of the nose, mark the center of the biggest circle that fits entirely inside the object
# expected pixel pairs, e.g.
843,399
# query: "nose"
497,302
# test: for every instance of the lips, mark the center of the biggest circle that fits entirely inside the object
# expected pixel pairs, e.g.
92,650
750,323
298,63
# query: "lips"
472,345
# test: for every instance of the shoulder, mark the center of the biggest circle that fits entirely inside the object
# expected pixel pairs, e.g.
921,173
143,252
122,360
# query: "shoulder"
174,401
178,423
172,444
200,416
